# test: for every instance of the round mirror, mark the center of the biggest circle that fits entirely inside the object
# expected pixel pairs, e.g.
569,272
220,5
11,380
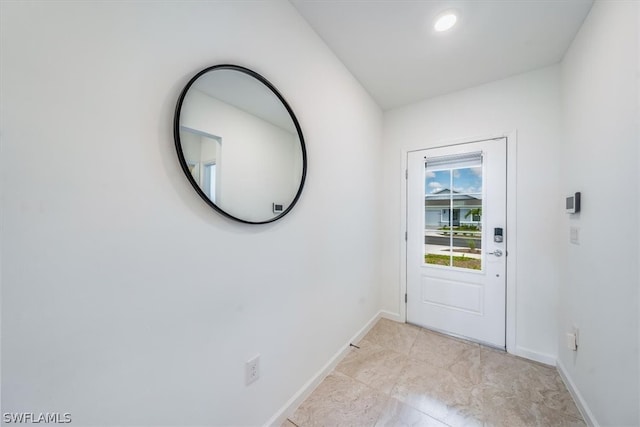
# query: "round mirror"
239,144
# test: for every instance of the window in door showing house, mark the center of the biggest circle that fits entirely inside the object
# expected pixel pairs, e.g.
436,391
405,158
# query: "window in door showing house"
453,212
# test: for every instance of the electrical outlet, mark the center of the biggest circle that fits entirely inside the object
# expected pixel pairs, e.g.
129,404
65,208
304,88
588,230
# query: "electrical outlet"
252,370
571,342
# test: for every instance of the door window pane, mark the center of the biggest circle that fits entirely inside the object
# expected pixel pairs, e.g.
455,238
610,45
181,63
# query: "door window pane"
438,217
467,180
453,215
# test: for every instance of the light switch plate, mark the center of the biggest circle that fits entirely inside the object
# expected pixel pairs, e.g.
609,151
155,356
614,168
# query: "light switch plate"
574,235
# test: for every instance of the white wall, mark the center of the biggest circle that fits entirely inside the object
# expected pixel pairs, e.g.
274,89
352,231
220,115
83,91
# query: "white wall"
125,299
191,144
528,104
599,277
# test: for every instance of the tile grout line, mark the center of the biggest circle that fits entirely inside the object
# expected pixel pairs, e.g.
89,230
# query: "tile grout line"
408,358
447,367
382,411
482,386
389,396
406,363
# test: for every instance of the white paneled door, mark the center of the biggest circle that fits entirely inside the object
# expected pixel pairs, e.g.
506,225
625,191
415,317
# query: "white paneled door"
456,240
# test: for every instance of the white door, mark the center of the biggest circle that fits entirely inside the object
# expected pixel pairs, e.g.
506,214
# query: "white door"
456,240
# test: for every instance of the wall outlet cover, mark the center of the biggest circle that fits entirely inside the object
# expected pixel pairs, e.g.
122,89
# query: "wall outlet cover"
571,342
252,370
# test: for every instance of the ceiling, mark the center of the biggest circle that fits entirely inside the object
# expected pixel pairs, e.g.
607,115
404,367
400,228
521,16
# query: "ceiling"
391,48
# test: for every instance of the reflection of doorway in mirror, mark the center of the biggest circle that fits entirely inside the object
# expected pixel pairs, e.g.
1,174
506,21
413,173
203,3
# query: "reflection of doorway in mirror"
209,181
194,168
202,152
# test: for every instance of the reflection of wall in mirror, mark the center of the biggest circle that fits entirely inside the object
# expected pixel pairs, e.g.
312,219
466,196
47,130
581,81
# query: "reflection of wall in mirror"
260,163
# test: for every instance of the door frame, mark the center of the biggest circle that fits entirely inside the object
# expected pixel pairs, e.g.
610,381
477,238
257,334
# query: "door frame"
511,261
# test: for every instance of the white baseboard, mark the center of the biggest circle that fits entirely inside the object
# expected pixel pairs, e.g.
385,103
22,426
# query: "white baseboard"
306,390
577,397
391,316
536,356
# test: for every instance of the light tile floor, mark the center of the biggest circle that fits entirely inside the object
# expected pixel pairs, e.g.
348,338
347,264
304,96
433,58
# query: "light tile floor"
403,375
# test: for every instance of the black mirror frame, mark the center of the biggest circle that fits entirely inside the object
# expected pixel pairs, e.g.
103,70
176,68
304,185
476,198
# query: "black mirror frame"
183,162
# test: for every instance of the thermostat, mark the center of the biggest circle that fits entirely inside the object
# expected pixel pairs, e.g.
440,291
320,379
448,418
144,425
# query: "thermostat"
277,208
572,203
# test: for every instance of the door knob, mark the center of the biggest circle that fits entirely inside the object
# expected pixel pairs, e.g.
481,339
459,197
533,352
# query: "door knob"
497,252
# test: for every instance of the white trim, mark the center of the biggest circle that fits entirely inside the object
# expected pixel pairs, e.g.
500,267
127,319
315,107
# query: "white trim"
512,140
305,391
588,416
512,238
536,356
404,180
391,316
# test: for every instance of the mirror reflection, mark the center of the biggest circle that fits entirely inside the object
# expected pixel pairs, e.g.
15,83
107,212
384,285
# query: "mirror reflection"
240,144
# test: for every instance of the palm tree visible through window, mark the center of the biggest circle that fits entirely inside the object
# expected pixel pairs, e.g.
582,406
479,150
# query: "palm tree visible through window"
475,214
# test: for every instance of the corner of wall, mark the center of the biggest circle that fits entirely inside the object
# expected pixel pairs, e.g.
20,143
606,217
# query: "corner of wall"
305,391
577,397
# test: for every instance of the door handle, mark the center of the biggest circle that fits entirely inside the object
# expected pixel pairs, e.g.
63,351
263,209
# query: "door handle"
497,252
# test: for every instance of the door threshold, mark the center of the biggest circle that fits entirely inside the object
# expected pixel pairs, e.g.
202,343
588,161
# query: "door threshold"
462,337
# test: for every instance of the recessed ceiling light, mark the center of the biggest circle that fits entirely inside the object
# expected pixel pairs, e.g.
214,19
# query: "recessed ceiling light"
445,21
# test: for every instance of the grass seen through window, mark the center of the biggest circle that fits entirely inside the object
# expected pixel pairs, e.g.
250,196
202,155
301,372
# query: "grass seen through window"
458,261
